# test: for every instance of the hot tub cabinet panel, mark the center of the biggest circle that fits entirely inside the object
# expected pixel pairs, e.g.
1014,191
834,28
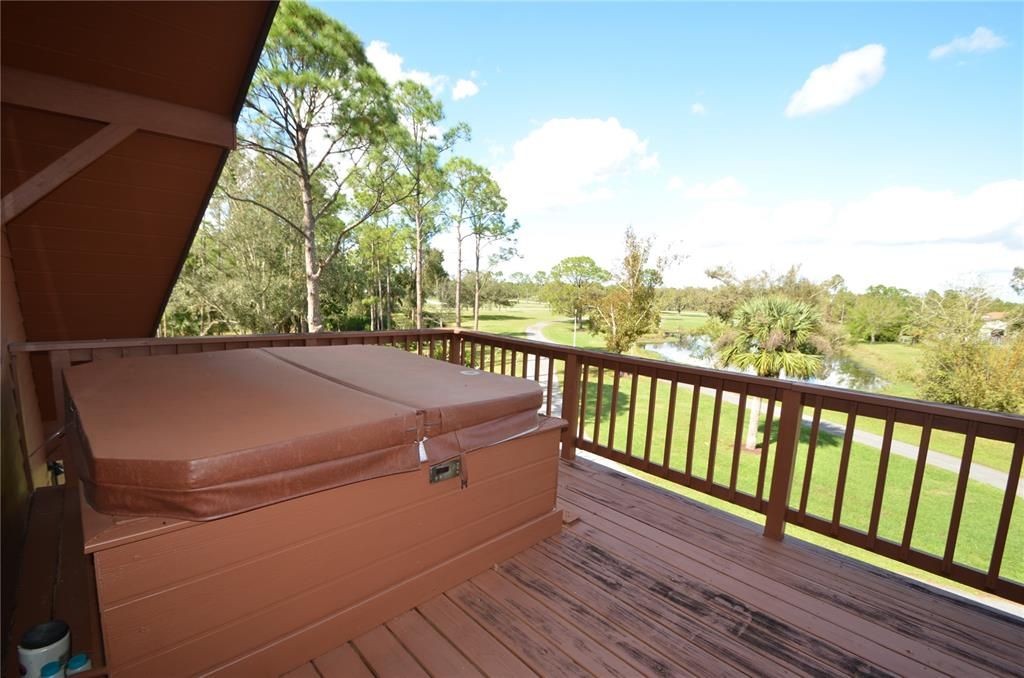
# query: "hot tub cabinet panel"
278,585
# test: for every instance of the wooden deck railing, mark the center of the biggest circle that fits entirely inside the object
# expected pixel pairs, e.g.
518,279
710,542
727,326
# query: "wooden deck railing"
686,425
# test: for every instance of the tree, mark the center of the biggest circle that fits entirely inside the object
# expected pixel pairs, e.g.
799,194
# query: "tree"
419,154
316,108
475,208
573,287
243,273
489,227
880,314
973,372
772,335
629,309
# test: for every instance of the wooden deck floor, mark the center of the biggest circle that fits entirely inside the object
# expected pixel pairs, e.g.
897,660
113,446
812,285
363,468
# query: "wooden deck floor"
648,583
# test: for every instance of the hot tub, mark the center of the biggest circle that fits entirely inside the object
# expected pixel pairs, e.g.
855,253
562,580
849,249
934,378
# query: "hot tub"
250,509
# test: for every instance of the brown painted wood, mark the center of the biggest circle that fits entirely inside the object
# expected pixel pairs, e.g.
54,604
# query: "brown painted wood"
785,462
598,402
432,650
81,100
570,407
614,406
915,490
68,165
631,421
898,598
737,443
826,632
321,635
486,653
844,465
585,381
385,655
555,602
883,470
533,648
529,612
812,446
1003,528
305,671
958,499
649,434
691,438
769,419
716,420
670,423
342,662
323,574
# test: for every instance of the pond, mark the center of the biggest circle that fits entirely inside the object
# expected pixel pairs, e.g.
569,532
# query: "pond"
696,350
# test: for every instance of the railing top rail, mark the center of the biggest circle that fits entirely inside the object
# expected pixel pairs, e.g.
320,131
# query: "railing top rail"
833,392
561,352
44,346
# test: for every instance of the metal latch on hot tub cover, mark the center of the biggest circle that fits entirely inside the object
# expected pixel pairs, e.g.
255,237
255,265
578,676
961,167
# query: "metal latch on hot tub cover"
445,470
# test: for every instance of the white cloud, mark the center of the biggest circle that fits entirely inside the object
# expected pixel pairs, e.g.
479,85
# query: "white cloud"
675,183
698,109
389,65
836,83
981,40
726,188
570,161
464,89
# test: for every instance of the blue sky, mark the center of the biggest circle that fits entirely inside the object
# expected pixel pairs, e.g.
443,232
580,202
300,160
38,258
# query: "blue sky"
899,161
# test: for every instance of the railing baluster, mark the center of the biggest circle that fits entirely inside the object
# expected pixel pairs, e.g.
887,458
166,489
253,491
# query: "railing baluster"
551,384
961,492
769,419
670,424
614,407
883,470
503,359
512,370
570,405
692,434
597,404
583,400
737,443
915,491
785,459
492,358
844,465
632,413
651,399
812,446
1012,481
715,419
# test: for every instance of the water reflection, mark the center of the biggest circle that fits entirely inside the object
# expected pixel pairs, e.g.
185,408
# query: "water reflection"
696,350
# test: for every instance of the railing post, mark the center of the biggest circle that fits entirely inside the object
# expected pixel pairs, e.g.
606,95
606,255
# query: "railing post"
570,405
785,458
455,348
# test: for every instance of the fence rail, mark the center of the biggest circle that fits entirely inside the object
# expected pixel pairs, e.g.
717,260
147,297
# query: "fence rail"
687,425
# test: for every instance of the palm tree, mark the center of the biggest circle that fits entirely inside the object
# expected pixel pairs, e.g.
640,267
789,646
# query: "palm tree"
773,336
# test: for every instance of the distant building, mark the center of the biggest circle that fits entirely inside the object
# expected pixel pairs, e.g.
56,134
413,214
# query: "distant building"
994,325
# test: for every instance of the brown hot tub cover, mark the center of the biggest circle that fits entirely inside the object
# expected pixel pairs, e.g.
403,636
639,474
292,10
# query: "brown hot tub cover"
462,409
205,435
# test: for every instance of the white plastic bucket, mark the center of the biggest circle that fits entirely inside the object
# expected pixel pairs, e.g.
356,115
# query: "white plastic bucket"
42,644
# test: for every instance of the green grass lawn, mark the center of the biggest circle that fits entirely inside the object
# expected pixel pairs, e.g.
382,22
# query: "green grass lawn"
895,363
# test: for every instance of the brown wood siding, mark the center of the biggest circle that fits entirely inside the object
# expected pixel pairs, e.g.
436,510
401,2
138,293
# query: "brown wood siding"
205,593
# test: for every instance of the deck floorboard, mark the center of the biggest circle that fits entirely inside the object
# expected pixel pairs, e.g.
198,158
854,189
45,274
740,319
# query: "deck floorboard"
649,583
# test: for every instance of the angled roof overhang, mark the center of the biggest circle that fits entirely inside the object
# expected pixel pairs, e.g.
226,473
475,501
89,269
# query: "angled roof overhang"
116,118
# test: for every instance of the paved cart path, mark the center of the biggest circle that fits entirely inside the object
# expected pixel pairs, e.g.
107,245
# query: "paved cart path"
979,473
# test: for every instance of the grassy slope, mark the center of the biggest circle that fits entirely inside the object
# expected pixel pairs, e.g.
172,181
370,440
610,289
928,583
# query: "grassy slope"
981,507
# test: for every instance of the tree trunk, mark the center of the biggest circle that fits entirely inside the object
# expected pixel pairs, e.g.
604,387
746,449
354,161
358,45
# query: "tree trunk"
419,269
387,283
476,288
312,274
458,277
754,408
